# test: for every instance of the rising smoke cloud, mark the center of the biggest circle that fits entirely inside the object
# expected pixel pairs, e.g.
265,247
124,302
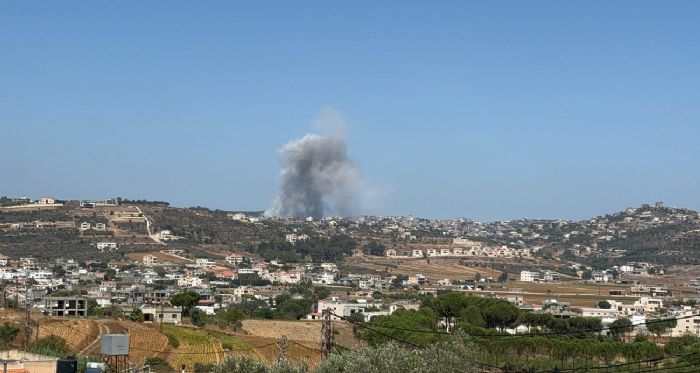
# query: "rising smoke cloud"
317,178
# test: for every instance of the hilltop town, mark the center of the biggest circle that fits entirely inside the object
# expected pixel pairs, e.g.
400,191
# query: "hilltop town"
120,264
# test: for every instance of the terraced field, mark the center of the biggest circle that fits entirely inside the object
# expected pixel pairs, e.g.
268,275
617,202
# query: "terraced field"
195,347
145,341
78,334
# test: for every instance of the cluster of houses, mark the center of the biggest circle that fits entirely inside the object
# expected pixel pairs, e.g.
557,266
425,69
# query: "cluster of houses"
149,288
639,313
293,238
539,276
85,226
470,250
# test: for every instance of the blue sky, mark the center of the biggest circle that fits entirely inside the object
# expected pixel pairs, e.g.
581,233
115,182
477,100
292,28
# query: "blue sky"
490,110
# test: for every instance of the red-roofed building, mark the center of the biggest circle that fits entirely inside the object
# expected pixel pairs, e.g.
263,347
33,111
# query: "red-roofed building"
226,274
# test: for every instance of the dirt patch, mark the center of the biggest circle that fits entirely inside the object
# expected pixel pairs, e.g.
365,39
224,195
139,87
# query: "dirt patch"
434,268
305,332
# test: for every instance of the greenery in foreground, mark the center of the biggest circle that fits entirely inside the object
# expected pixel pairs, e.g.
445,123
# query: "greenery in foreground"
572,343
454,355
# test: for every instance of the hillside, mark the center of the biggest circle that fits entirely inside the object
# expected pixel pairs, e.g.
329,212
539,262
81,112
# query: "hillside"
650,233
53,232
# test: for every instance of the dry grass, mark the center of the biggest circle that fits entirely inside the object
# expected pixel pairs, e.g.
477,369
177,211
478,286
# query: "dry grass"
434,268
303,331
145,341
77,333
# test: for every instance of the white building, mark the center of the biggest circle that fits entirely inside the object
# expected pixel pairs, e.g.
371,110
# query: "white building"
84,226
600,276
234,259
205,263
150,260
165,235
599,312
339,308
102,246
47,200
330,267
529,276
238,216
293,237
325,278
190,282
688,323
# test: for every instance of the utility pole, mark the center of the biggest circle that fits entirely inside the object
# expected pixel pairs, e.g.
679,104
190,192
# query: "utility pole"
326,343
28,316
282,346
2,293
162,315
4,364
16,292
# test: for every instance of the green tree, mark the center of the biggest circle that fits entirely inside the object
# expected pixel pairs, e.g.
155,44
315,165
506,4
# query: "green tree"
620,327
503,277
229,317
395,325
136,315
500,314
8,332
450,305
473,316
293,309
50,345
198,317
604,304
186,300
374,248
660,327
92,308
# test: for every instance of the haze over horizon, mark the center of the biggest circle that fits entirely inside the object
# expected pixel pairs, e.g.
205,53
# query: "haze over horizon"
454,109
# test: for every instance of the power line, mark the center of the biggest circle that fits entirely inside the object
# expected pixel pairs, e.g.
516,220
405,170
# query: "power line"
654,360
174,352
522,334
663,369
306,347
363,325
411,343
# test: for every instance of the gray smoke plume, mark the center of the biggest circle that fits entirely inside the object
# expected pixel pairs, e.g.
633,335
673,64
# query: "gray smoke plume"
317,177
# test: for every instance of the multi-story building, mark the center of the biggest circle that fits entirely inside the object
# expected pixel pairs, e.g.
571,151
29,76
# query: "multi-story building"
150,260
65,306
529,276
